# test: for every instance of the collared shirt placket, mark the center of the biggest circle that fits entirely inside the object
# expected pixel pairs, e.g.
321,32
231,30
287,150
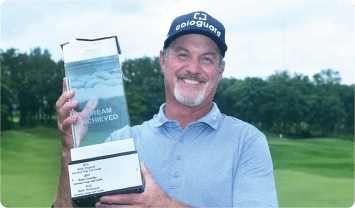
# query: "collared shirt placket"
176,172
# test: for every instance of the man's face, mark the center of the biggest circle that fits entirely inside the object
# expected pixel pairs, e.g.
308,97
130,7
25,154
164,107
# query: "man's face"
192,69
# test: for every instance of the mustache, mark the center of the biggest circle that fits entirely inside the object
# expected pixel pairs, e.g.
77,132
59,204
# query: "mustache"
188,75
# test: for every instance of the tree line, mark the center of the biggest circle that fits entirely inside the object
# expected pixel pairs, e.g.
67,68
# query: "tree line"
283,103
30,86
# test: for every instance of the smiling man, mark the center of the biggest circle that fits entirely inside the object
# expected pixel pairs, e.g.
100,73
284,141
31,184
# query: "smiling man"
191,70
193,154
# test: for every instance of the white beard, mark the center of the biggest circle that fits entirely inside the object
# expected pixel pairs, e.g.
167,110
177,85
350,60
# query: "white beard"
189,101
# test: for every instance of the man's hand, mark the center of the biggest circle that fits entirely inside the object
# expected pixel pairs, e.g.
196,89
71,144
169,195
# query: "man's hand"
81,125
63,198
153,196
80,120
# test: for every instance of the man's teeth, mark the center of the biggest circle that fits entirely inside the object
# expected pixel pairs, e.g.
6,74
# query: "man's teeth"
189,81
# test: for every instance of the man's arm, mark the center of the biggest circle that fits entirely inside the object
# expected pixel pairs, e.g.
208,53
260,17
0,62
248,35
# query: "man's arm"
63,107
254,184
63,198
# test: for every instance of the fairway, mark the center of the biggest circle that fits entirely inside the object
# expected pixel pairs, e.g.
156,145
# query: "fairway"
30,167
299,189
308,173
313,172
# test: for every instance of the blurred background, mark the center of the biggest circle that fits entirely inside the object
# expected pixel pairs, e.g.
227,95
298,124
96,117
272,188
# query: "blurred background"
289,71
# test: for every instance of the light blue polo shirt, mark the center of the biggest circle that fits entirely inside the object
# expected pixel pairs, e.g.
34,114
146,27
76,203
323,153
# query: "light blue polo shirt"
218,161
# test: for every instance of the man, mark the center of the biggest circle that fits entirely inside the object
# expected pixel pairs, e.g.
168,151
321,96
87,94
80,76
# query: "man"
193,155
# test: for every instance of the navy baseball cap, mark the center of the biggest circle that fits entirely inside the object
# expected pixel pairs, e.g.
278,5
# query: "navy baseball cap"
198,23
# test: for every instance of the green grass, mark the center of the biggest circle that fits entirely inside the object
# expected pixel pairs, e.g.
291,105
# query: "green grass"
308,173
325,157
300,189
30,167
313,172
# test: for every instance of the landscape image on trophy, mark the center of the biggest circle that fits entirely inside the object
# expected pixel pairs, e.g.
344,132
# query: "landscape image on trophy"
98,88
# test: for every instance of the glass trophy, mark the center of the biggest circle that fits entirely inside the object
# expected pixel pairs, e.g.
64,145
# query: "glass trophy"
93,72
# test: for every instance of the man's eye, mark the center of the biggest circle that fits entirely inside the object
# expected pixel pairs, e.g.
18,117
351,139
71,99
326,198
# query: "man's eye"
182,56
207,60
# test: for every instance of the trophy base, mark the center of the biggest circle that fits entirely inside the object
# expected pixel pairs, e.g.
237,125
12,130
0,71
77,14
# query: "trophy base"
90,200
104,169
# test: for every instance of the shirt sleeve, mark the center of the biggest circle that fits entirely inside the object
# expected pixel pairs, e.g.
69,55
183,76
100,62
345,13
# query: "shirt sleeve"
124,133
254,184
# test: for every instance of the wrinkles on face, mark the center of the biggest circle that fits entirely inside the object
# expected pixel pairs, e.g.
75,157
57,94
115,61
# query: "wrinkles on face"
191,69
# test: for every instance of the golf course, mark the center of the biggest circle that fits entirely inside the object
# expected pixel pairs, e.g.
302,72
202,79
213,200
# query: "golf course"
317,172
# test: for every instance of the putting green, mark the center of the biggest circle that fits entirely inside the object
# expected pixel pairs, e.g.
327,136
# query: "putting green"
299,189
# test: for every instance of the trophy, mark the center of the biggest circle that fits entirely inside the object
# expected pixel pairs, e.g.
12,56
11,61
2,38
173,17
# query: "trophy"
99,168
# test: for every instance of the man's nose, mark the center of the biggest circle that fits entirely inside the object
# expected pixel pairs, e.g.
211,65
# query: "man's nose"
194,66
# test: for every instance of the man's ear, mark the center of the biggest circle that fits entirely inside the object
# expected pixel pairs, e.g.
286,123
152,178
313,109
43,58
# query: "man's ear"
162,63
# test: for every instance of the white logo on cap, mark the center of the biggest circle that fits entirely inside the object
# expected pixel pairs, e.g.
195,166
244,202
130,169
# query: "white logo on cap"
204,19
201,22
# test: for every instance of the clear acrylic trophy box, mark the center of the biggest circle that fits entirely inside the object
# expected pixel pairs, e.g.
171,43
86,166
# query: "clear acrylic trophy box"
93,72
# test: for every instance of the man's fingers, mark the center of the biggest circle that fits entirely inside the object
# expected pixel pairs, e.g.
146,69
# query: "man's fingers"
98,204
68,122
64,85
64,99
90,106
130,199
64,111
147,176
127,199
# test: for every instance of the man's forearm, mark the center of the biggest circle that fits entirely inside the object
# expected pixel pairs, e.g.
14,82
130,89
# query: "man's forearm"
63,197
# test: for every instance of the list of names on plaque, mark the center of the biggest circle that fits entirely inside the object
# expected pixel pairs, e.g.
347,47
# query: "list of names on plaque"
84,179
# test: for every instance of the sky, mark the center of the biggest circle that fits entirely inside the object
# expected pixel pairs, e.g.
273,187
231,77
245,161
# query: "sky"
302,37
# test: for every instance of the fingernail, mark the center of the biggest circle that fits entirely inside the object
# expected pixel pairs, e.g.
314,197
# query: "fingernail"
93,103
143,166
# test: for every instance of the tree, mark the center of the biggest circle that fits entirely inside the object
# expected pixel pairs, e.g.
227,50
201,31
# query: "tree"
223,101
53,89
283,100
6,103
326,106
327,78
14,65
301,88
31,82
144,85
244,99
346,94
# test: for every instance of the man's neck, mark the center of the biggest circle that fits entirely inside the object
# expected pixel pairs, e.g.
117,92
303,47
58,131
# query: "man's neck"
184,114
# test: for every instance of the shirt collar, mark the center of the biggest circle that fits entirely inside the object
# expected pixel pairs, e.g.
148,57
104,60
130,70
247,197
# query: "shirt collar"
212,118
160,118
